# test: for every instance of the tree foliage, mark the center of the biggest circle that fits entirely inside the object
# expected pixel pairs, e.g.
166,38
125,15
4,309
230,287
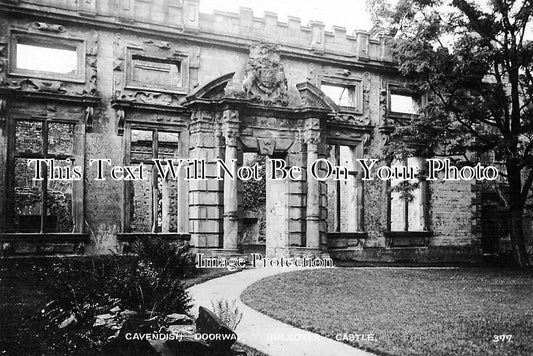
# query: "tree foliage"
474,61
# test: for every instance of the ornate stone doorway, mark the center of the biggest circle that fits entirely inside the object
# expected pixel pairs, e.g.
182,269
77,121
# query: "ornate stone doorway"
251,111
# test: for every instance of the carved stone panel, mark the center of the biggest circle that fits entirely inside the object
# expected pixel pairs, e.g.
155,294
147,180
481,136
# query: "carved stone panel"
21,45
264,75
150,72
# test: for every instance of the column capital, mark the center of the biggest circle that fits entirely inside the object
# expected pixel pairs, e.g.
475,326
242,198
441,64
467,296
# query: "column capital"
230,126
231,135
312,140
230,116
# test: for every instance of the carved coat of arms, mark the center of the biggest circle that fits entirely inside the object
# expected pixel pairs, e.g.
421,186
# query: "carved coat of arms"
265,77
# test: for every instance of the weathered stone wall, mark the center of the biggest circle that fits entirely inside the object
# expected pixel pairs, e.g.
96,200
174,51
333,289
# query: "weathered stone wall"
103,198
452,204
210,46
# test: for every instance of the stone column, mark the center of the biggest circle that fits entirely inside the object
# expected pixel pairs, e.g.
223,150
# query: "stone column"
183,186
313,198
231,204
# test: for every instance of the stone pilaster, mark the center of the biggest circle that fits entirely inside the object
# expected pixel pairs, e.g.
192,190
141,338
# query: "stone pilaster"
313,187
204,203
231,203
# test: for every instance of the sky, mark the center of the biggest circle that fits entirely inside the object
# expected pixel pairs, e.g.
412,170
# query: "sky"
350,14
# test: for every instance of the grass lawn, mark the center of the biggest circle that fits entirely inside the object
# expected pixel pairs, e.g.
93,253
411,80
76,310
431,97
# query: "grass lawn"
25,287
410,311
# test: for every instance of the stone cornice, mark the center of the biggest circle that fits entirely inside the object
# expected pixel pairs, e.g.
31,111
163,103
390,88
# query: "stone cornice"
54,97
247,106
130,105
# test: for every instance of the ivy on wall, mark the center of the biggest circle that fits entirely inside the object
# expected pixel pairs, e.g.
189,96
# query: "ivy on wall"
254,190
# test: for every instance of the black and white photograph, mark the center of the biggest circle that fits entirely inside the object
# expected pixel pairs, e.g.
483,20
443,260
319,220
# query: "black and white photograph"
266,178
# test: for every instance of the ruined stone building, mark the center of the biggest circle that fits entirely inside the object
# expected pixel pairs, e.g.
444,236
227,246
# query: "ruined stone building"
142,80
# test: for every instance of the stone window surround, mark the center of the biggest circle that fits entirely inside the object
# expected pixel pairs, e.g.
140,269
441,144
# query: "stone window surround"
181,59
77,186
398,89
125,234
356,84
357,147
54,41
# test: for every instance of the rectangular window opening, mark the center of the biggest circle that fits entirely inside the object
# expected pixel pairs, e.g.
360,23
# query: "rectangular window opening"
404,104
406,205
42,206
341,95
62,60
154,201
343,194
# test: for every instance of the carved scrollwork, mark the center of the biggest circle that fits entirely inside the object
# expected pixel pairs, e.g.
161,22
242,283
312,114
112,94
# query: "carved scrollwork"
383,105
3,59
43,26
147,98
366,99
162,44
36,85
385,134
3,113
366,139
352,119
366,142
3,47
121,118
89,117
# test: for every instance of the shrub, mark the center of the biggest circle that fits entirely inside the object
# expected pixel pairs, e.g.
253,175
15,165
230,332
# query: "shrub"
146,283
170,259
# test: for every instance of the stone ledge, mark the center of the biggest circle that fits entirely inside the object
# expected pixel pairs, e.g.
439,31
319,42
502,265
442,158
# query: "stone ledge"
44,237
346,239
396,239
133,236
55,97
407,234
432,255
348,235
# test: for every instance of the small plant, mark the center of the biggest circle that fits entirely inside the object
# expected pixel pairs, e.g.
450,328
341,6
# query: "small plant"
171,260
228,313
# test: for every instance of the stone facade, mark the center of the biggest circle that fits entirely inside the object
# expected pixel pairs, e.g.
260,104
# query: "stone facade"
158,79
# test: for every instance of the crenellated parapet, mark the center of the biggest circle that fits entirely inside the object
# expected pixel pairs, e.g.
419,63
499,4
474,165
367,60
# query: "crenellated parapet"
291,32
183,16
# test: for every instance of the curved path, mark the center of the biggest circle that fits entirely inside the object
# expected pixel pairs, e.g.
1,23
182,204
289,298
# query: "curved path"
259,331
